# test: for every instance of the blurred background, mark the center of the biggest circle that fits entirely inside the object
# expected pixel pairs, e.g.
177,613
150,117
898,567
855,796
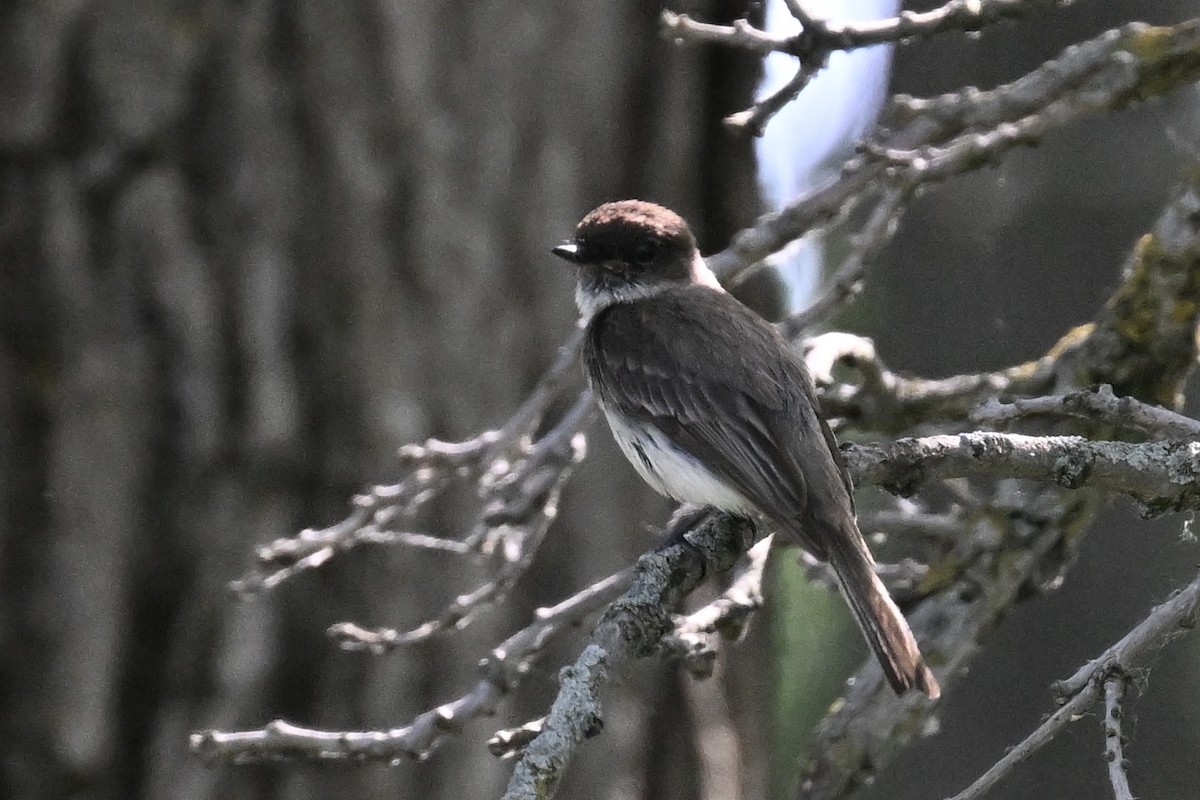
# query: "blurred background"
249,249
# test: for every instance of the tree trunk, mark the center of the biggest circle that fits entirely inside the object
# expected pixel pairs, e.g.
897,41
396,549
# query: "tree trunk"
246,251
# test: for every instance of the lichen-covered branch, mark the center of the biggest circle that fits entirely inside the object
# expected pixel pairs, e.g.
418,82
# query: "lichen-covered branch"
1163,476
1150,321
632,627
1127,413
695,638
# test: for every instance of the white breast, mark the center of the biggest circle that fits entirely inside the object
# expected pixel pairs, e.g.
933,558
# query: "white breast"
670,470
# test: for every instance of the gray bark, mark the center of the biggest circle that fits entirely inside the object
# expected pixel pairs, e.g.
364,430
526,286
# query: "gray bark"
246,251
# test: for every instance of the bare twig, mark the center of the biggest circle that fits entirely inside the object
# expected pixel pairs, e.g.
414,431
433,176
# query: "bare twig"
1163,62
817,35
1098,405
741,34
956,15
1164,623
502,673
1045,732
932,163
1114,740
530,413
755,118
818,39
429,469
846,282
511,526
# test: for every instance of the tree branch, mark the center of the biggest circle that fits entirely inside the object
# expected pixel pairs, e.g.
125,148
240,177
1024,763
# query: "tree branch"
1102,405
1143,326
1163,476
818,39
632,627
1164,623
888,402
1142,343
846,282
1158,59
1114,741
502,672
695,638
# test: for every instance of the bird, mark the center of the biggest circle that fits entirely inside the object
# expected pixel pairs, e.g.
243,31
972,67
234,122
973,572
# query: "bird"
711,406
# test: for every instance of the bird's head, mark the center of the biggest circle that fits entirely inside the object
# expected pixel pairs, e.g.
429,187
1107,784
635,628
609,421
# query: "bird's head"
632,249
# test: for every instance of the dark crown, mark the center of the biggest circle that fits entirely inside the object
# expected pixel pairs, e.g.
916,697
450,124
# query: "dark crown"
634,231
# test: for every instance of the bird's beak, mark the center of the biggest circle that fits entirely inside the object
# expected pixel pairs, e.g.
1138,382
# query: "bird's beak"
568,251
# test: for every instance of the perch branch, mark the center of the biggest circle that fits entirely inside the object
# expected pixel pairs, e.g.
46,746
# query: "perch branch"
632,627
636,624
694,639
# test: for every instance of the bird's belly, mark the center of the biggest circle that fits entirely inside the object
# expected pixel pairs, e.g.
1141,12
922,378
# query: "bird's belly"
670,470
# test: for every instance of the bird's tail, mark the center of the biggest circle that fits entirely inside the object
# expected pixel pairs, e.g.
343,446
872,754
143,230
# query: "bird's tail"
881,622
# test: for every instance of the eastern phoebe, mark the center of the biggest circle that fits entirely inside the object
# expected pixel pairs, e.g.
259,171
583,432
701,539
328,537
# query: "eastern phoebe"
711,406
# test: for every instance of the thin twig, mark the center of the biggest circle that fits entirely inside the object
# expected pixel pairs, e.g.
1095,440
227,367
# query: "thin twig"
755,118
1163,624
511,527
1064,716
530,412
846,282
1114,740
502,672
429,469
818,39
1163,64
934,163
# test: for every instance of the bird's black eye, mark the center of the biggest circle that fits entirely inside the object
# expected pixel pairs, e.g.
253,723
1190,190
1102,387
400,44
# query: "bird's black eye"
645,252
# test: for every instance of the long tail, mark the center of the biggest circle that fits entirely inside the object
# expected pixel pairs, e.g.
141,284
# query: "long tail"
881,622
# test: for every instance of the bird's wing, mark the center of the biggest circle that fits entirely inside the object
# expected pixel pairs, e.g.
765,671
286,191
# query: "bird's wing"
727,391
